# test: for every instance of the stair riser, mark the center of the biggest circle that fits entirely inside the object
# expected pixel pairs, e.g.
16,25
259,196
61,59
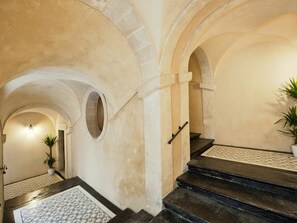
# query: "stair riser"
267,214
187,216
287,192
202,150
194,136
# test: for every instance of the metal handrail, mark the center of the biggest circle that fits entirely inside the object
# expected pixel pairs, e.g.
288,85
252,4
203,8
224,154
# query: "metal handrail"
180,128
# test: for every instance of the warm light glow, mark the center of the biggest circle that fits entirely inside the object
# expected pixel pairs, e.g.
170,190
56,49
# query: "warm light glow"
30,128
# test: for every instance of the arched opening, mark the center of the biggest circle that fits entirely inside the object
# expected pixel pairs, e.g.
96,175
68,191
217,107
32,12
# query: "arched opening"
201,95
50,106
24,151
195,97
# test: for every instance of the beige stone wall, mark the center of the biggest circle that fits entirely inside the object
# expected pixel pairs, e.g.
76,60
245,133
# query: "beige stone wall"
248,75
24,151
249,58
128,48
114,166
195,97
51,53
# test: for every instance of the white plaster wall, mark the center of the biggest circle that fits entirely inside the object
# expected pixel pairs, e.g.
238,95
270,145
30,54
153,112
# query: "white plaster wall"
114,166
248,75
24,151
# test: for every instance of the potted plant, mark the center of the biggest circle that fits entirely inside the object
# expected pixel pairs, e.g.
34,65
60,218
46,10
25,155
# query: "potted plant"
50,141
289,118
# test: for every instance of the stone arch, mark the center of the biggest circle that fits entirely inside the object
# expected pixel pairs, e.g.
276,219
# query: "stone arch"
42,109
122,15
195,18
197,24
207,87
155,86
38,106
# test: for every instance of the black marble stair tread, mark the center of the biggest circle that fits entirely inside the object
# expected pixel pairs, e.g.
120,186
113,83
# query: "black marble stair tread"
141,217
261,202
200,145
167,217
194,135
282,178
200,208
123,216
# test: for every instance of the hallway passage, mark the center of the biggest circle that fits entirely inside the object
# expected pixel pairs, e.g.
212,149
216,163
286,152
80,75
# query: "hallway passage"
25,186
71,200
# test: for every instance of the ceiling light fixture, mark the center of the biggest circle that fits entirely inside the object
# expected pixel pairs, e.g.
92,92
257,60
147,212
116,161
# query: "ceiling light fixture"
30,128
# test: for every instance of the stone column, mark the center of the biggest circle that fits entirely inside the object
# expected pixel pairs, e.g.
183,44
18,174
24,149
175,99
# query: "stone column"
68,153
183,80
156,96
208,109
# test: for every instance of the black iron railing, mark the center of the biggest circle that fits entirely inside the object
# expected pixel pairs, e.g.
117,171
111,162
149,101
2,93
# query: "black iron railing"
180,128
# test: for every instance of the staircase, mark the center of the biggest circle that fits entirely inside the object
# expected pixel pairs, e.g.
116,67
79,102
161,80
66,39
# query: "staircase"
216,190
220,191
199,145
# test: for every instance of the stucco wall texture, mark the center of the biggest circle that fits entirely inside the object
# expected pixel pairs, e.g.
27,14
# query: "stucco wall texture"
138,54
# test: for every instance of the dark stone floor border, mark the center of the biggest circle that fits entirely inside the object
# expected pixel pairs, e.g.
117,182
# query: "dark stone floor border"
26,199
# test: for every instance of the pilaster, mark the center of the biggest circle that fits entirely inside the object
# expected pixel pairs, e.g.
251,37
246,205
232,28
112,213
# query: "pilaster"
156,96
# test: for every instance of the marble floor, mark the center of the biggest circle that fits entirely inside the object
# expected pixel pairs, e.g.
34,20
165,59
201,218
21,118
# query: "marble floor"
74,205
283,161
29,185
71,200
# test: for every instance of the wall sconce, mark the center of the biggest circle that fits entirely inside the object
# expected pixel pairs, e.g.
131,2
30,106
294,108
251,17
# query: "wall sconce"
30,128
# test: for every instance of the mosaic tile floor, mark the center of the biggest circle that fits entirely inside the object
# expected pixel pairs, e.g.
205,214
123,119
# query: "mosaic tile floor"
29,185
74,205
256,157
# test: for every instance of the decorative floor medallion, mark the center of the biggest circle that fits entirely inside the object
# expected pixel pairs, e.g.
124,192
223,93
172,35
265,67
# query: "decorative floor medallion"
251,156
74,205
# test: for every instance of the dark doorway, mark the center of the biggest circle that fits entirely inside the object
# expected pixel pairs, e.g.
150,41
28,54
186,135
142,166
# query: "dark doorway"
61,151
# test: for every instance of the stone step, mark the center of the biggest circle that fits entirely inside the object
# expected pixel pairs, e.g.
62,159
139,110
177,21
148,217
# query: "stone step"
279,182
141,217
265,204
199,146
166,216
123,216
194,136
200,207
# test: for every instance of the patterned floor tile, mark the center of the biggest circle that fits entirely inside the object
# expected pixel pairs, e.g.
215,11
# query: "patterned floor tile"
256,157
29,185
74,205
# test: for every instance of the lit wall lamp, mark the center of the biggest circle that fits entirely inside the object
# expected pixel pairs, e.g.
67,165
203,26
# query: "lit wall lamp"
30,128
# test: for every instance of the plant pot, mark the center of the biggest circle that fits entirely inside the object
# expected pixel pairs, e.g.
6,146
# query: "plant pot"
51,171
294,149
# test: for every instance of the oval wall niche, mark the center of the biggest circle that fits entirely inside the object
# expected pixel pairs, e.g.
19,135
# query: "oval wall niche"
95,114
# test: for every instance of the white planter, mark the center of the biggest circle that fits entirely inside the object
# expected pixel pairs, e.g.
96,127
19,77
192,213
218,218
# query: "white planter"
294,149
51,171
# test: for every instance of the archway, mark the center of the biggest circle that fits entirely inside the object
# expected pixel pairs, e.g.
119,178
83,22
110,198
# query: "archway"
60,105
24,151
208,27
201,94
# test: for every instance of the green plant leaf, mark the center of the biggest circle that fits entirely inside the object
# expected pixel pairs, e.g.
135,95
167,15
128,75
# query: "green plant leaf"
290,88
50,140
289,121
